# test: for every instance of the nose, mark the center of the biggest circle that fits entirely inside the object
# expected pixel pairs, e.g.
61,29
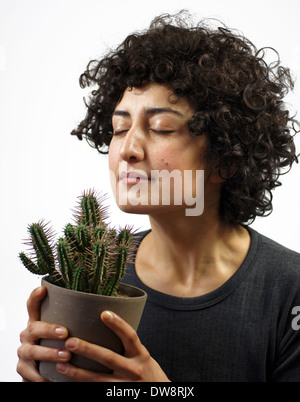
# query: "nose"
132,148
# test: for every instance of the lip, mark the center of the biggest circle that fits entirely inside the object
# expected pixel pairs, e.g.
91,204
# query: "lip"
133,177
133,174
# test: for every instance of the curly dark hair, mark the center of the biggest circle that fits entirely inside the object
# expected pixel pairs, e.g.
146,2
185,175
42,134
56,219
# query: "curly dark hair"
237,97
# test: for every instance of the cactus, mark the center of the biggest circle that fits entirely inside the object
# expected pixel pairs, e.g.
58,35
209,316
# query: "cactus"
90,257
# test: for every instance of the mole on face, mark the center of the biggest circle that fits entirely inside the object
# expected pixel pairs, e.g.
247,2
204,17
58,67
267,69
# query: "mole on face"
166,162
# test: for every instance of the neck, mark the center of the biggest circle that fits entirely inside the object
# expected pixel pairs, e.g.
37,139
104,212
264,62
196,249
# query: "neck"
199,241
197,254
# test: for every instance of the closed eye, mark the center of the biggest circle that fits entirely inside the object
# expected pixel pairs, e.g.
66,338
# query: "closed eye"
162,131
119,132
154,131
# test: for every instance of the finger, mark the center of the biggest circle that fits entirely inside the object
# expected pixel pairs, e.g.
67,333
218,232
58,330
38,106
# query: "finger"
125,332
102,355
82,375
28,372
34,303
38,329
78,374
32,353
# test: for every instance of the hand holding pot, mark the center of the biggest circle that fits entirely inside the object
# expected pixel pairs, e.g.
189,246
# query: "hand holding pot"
135,365
30,351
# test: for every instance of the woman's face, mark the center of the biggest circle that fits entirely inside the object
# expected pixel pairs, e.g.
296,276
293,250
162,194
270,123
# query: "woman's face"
153,158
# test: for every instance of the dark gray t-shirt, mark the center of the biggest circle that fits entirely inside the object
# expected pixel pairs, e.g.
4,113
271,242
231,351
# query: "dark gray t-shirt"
246,330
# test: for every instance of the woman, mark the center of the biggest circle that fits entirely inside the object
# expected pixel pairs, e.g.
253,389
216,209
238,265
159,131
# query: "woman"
221,297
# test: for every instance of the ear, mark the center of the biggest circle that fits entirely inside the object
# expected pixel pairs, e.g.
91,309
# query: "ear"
219,175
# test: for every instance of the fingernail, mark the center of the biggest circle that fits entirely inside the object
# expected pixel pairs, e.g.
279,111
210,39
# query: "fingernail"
71,344
63,354
107,315
39,290
61,367
60,331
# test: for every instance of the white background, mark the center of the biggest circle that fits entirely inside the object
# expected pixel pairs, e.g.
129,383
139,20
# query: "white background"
44,47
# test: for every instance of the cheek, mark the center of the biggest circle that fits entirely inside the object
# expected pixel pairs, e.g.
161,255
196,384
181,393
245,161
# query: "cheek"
166,157
113,156
164,163
183,154
178,160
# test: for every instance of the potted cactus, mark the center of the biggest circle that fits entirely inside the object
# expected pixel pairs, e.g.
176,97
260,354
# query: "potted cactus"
82,272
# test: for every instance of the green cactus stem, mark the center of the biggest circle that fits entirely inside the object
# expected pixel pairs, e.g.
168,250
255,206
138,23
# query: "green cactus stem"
119,262
99,267
66,263
90,257
41,245
78,282
43,263
30,265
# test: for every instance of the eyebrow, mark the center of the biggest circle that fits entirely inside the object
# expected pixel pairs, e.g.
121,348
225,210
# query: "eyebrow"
150,112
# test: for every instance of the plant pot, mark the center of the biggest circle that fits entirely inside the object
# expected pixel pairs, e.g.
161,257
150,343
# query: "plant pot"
80,313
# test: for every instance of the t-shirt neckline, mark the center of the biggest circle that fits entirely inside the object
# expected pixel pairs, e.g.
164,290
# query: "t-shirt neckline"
208,299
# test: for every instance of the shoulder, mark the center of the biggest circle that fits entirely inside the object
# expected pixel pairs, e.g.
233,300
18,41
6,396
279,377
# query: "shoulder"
138,236
279,263
137,239
279,254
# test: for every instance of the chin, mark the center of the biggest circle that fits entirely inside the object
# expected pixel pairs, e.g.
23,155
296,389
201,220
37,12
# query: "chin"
134,209
151,209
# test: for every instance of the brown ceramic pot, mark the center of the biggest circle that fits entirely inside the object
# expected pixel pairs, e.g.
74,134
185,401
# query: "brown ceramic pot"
80,313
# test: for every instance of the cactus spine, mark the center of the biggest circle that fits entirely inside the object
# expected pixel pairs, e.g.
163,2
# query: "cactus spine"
90,257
